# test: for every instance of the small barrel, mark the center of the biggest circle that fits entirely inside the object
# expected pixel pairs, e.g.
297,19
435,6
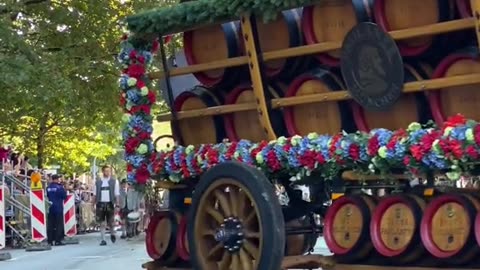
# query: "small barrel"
409,108
346,228
182,240
198,130
459,99
282,33
330,21
393,15
323,117
299,244
214,43
161,237
464,8
395,228
246,124
447,227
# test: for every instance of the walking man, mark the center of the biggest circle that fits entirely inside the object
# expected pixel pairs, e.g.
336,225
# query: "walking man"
106,193
56,195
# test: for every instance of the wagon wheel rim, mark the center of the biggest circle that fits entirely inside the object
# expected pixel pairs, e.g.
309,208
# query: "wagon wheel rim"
228,234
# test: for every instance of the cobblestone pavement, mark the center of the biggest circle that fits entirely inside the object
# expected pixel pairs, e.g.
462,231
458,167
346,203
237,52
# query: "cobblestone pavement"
88,255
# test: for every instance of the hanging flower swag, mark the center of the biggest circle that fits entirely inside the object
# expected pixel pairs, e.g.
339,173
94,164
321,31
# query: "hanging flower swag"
137,100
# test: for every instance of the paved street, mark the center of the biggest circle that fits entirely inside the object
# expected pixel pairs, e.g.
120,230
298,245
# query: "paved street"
88,255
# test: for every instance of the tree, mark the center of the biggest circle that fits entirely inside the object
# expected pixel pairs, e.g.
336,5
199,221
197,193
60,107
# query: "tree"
58,74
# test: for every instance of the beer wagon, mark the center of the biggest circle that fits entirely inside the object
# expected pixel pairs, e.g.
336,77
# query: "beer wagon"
340,95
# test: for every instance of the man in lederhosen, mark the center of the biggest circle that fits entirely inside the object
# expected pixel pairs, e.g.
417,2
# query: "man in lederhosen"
106,193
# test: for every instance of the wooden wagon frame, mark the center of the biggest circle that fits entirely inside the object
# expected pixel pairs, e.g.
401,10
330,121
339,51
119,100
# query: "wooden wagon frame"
236,186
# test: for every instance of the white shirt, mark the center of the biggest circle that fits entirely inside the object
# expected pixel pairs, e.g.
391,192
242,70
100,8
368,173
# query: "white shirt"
105,194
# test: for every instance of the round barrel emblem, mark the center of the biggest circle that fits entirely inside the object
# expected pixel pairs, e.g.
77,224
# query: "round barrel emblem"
347,226
372,67
397,226
450,227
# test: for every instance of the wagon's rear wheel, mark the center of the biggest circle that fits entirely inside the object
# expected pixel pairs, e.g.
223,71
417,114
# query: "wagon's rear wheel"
236,221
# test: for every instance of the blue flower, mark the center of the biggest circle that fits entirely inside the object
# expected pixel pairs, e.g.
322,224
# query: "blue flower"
133,95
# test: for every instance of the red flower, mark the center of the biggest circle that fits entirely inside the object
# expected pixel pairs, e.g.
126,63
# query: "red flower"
140,84
373,146
123,101
129,167
132,54
142,175
472,152
406,160
136,71
417,152
454,121
354,152
308,159
476,134
141,108
131,145
272,161
143,136
333,144
151,97
456,148
155,46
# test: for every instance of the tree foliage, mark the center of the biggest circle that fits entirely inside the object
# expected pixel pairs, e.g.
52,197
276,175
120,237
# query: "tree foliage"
58,77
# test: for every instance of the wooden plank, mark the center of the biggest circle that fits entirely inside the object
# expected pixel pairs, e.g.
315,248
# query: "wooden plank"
439,28
411,87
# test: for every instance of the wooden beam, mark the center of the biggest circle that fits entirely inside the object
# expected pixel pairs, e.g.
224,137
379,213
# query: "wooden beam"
254,61
438,28
411,87
475,5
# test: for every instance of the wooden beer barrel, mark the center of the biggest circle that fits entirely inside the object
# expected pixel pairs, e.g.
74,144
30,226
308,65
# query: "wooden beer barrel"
459,99
282,33
393,15
409,108
323,117
300,244
182,240
246,124
214,43
346,228
198,130
161,237
464,8
395,227
330,21
447,227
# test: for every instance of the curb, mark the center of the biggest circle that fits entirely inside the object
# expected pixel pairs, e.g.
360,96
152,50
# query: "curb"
5,256
38,247
71,241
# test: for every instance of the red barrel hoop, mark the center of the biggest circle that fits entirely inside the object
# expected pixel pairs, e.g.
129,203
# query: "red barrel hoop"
357,245
182,241
460,99
451,205
464,8
390,22
410,227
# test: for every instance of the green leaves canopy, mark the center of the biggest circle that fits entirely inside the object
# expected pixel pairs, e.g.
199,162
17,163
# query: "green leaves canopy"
181,17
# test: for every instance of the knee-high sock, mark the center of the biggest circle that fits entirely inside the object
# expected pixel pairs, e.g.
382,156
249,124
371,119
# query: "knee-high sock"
102,231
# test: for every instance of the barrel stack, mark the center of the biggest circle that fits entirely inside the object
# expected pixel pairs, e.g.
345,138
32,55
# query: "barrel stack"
404,229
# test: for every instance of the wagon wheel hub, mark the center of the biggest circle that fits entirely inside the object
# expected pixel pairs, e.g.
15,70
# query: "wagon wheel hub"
230,234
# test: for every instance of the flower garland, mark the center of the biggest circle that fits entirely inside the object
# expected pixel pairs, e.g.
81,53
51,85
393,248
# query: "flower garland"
136,100
453,149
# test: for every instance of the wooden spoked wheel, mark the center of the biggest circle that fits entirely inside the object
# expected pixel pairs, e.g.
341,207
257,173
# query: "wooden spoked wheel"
237,223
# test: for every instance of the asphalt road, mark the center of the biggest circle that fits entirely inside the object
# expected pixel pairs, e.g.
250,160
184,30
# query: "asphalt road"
88,255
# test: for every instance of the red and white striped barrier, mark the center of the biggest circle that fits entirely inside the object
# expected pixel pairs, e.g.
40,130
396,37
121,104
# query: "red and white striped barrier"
2,216
39,219
69,218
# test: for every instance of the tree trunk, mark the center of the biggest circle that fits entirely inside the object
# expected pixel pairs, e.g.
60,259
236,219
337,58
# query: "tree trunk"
42,130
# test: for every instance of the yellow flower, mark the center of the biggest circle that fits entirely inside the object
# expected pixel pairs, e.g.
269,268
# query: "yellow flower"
189,149
469,135
126,117
312,136
382,152
132,81
142,149
414,126
259,158
144,91
281,140
447,131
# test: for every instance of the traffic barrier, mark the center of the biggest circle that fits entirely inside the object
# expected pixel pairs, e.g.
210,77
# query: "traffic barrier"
70,219
38,218
3,255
